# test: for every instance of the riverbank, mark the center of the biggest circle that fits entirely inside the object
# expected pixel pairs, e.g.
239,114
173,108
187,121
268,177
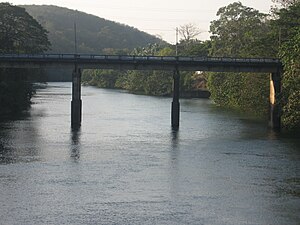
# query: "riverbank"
203,93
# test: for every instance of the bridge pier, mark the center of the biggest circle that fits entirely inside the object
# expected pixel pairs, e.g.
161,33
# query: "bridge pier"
76,104
175,114
275,106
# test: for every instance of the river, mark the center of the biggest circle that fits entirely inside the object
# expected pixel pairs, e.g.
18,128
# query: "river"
126,166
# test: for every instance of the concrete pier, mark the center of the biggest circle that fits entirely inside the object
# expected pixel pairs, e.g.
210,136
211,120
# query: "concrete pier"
175,114
275,106
76,104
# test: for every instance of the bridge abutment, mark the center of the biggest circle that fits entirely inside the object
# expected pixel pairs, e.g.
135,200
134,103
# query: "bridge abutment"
76,103
275,105
175,114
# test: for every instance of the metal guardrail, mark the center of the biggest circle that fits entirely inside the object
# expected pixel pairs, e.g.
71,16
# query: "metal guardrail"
132,58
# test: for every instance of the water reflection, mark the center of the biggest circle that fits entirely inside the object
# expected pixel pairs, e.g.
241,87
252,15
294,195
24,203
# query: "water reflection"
75,144
19,143
174,147
217,169
174,142
174,134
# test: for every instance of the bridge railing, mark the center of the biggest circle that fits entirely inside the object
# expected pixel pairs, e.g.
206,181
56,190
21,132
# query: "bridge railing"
133,58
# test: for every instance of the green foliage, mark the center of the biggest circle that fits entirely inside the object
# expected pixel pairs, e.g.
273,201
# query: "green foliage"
142,82
150,49
15,90
286,3
94,35
100,78
286,26
194,47
244,32
290,55
239,91
19,32
152,82
135,81
241,31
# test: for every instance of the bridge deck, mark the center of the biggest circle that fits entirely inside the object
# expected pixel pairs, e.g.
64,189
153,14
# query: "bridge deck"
128,62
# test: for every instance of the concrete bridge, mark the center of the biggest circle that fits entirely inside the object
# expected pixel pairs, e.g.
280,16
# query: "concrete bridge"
172,63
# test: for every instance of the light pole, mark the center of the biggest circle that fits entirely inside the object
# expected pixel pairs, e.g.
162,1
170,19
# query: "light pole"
75,33
176,50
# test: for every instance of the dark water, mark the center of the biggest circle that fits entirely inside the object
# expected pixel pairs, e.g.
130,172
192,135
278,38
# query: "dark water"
126,166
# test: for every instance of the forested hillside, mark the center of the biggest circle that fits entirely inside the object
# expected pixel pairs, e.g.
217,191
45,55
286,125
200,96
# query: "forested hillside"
19,33
94,34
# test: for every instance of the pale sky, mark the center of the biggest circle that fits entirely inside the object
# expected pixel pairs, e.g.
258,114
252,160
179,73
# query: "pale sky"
157,17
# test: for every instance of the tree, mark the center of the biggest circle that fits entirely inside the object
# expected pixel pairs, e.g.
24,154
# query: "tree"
19,32
290,56
285,3
150,49
194,48
290,53
287,19
142,82
241,31
189,31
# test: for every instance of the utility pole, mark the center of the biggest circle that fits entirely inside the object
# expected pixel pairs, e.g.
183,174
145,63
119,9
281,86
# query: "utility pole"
176,51
75,34
75,37
76,103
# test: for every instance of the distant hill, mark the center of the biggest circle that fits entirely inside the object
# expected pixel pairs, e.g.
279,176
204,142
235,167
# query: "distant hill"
94,34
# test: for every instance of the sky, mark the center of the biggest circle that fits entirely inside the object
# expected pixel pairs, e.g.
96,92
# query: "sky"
157,17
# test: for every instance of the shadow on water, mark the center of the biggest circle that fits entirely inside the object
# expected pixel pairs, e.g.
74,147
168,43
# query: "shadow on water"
174,136
75,144
18,139
257,129
174,144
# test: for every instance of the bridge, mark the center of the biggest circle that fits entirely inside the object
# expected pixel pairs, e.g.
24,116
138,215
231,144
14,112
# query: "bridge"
172,63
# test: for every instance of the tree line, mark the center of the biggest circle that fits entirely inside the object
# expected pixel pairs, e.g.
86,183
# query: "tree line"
239,31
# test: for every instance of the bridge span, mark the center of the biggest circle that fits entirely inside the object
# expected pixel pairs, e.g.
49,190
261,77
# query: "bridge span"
128,62
172,63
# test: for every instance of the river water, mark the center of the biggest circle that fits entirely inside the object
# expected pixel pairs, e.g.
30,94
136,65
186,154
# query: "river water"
126,166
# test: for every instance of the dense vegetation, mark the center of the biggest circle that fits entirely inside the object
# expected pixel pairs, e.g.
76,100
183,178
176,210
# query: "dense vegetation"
94,35
239,31
153,82
288,24
19,33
